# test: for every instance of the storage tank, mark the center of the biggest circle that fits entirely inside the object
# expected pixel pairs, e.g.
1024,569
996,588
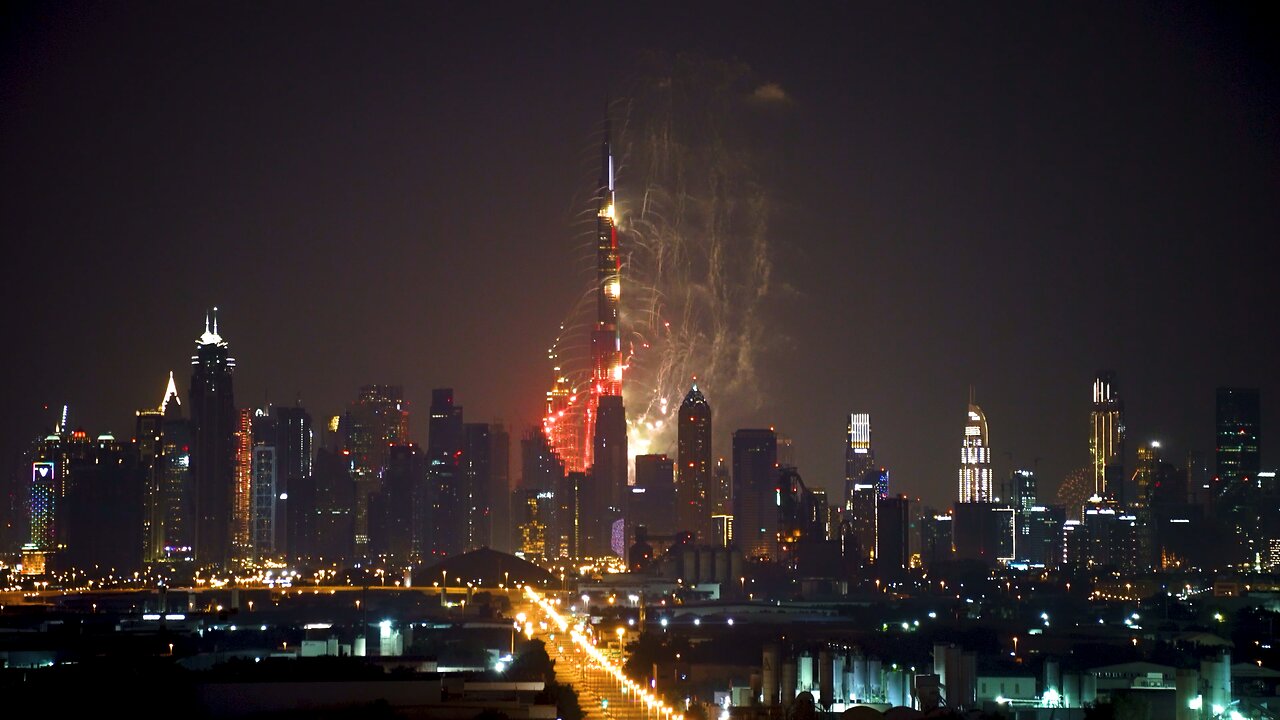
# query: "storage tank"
1216,674
807,677
1052,678
859,678
875,686
735,567
1071,690
722,566
1088,689
689,566
969,679
769,670
788,683
826,679
1186,690
705,574
894,688
838,677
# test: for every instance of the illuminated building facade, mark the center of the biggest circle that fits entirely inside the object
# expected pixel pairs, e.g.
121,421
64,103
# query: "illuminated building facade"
264,518
975,459
693,463
244,504
41,504
755,493
1106,441
1238,419
721,491
213,448
859,458
177,486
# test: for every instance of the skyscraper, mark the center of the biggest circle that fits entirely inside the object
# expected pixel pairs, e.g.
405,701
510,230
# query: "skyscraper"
177,486
243,501
148,434
755,511
893,545
375,422
293,478
393,531
477,483
649,501
1106,442
1239,434
693,466
603,507
105,510
264,518
975,459
447,513
606,339
213,430
500,523
859,458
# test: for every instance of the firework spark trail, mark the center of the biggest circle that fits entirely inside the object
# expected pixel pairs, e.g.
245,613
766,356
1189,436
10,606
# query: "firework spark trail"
696,267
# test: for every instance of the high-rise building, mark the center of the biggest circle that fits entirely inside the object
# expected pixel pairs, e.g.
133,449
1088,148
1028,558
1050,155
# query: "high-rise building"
293,479
105,510
244,502
393,532
755,512
1106,441
606,339
500,488
213,434
859,458
477,483
893,541
1024,488
1239,434
148,441
975,459
650,500
332,524
721,491
537,512
375,422
693,466
860,518
602,509
264,518
177,485
447,514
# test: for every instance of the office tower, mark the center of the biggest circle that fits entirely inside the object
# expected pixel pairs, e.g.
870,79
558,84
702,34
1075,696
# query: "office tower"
296,496
393,532
500,488
477,481
148,441
42,501
244,502
603,509
264,518
375,422
177,485
802,543
755,516
1025,489
1106,441
542,474
564,539
650,500
721,490
1239,434
859,458
893,541
860,518
975,459
105,510
976,531
1110,539
213,431
693,461
332,524
936,538
447,513
562,423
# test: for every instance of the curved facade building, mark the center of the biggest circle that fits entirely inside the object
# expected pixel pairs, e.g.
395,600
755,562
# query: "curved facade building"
975,459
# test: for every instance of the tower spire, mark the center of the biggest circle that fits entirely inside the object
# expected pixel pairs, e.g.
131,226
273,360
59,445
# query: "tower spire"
170,393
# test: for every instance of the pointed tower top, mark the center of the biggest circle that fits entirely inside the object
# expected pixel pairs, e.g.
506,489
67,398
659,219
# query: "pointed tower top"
210,336
170,393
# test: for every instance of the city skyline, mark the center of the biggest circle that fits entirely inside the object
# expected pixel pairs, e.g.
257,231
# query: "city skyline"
358,319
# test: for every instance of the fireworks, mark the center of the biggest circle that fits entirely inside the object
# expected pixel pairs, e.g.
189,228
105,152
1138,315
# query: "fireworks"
692,219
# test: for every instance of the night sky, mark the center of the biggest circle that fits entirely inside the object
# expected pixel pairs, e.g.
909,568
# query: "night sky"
1008,195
